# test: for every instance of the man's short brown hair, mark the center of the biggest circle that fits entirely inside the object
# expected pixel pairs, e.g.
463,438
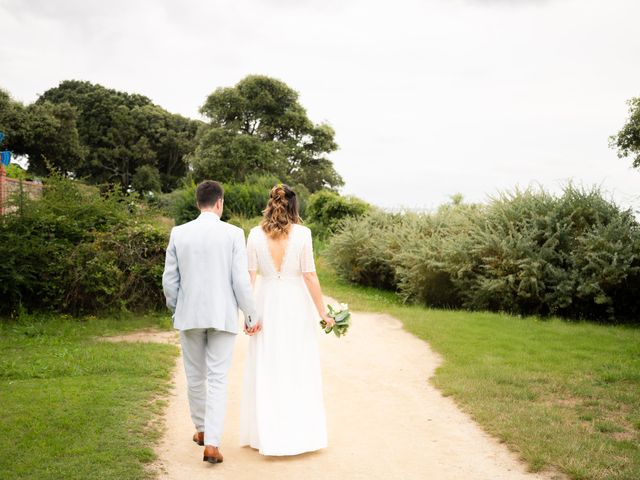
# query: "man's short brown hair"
208,193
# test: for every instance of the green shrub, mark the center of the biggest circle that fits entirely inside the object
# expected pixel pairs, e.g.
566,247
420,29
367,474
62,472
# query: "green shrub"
529,252
180,204
363,250
506,261
120,269
246,199
423,271
17,172
326,209
146,181
534,253
79,251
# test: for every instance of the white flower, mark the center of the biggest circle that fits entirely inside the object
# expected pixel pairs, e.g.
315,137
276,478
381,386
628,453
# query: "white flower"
344,306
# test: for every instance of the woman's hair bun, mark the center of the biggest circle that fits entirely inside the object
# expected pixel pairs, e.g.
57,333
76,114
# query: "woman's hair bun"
281,211
278,192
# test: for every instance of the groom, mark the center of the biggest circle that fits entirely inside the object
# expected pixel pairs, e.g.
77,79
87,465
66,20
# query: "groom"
205,280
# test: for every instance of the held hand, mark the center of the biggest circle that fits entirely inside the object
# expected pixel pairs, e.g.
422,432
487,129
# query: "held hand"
257,324
256,328
252,330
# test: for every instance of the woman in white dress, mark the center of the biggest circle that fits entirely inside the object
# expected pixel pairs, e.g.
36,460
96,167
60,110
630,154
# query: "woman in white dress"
282,410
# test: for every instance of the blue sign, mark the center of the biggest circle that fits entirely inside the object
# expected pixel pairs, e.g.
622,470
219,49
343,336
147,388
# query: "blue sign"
5,156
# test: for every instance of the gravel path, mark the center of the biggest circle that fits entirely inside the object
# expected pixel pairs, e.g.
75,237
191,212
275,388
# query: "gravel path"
385,419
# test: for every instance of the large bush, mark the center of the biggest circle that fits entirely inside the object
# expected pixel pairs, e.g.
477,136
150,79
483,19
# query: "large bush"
246,200
363,250
326,209
79,251
575,255
180,204
426,269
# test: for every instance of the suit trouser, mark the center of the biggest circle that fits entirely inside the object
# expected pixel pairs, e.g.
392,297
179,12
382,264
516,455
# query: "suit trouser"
207,357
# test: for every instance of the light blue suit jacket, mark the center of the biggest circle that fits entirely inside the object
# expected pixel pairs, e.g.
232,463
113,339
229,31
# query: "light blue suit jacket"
206,277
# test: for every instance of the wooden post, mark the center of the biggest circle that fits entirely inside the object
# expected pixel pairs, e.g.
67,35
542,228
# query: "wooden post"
3,188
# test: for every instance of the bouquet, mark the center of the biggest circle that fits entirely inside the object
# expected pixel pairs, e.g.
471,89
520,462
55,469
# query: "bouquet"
341,318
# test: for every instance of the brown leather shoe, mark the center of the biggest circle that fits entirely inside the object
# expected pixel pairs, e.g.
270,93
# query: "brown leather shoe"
198,437
212,454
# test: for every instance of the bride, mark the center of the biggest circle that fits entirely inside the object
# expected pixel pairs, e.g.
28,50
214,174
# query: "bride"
282,409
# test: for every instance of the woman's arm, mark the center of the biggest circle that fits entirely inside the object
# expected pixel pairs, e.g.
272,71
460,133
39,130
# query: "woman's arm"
313,284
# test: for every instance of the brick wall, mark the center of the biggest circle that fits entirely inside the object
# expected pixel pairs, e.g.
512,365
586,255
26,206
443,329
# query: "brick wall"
10,187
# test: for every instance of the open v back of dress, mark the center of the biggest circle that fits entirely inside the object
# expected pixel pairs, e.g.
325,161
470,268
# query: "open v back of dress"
278,250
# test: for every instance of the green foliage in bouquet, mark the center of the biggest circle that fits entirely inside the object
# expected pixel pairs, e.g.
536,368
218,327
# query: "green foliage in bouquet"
342,319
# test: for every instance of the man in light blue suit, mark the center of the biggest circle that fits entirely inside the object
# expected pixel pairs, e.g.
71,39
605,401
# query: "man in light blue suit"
205,280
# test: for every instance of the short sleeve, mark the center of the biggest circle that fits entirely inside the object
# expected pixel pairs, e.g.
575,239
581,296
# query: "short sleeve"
307,264
252,255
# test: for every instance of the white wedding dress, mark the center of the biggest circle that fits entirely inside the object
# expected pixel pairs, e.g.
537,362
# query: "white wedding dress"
282,409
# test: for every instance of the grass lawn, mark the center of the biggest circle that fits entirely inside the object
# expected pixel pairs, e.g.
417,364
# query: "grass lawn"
76,408
565,395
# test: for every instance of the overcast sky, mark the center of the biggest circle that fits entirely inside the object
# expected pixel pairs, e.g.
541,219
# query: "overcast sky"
427,97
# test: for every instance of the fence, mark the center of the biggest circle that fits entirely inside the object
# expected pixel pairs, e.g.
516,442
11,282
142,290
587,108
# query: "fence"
12,186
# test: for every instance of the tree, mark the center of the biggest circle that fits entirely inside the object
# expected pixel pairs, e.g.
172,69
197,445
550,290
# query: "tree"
627,140
13,123
44,132
53,139
258,126
123,132
146,179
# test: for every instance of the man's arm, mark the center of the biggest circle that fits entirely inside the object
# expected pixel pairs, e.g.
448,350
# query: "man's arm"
171,275
240,281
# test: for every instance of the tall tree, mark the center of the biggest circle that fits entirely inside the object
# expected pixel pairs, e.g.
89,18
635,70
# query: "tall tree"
259,126
44,132
53,139
123,132
14,124
627,140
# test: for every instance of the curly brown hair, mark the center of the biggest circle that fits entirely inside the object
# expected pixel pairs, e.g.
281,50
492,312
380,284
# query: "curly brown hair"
281,212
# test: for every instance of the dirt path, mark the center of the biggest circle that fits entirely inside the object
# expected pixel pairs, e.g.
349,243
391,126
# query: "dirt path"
385,420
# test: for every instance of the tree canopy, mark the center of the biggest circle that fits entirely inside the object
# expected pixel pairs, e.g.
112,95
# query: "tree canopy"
13,123
123,132
45,132
627,140
259,126
256,128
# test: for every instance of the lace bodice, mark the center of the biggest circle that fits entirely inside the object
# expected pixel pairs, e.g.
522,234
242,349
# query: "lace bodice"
298,254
